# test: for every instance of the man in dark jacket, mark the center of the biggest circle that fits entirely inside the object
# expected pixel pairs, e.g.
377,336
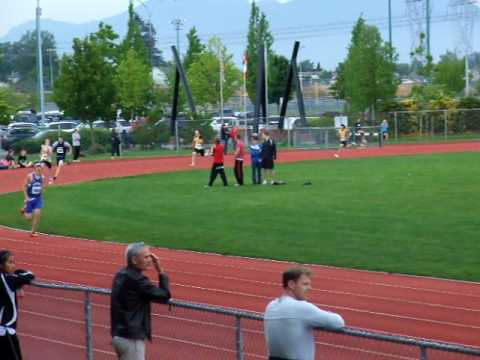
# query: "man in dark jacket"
132,293
268,155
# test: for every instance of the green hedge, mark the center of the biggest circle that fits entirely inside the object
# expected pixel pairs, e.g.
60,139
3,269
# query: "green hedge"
100,137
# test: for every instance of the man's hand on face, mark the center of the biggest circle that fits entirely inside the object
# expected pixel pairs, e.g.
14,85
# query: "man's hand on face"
156,263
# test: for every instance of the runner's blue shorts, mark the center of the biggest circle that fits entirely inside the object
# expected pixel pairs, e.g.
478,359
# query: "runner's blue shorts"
33,204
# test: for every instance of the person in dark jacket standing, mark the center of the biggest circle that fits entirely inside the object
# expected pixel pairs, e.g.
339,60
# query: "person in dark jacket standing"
225,136
130,309
11,281
115,140
269,155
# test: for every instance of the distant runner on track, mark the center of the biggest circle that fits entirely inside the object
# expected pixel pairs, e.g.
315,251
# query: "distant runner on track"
60,148
33,191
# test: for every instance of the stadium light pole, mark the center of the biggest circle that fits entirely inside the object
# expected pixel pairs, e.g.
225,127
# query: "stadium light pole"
390,23
428,29
50,62
222,76
40,62
178,24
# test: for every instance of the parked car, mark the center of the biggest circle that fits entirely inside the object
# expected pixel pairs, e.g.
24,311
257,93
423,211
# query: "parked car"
15,134
100,124
226,113
26,117
121,125
216,123
67,126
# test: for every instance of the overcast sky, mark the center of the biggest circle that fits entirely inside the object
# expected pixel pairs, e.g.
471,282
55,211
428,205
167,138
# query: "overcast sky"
15,12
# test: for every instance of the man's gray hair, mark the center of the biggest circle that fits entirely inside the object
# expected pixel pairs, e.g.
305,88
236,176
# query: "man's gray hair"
133,250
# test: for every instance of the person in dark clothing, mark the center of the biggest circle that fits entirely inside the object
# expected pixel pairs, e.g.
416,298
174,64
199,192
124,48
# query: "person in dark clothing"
22,159
11,281
217,166
225,136
115,141
130,303
269,155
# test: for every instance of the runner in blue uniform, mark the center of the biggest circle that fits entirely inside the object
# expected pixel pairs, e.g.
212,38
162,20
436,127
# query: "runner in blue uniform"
60,149
33,189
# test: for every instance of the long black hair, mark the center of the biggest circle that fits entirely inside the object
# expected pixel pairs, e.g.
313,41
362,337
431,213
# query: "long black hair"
4,255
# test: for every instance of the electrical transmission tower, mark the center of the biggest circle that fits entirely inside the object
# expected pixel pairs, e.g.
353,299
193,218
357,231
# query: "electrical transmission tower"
465,13
419,15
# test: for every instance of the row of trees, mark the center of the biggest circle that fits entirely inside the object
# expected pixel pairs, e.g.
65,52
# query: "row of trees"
102,75
369,77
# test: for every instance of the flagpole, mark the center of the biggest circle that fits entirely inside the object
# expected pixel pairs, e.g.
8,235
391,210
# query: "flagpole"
245,68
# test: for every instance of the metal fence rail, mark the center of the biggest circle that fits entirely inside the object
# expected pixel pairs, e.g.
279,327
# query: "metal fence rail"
212,332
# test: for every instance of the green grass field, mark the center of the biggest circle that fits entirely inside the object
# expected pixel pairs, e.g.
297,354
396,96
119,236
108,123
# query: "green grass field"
415,215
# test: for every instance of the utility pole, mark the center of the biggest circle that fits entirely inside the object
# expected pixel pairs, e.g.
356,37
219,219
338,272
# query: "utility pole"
40,63
50,61
178,24
428,30
390,23
222,76
266,81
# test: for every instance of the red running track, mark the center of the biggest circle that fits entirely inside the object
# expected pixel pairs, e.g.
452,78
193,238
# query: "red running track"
415,306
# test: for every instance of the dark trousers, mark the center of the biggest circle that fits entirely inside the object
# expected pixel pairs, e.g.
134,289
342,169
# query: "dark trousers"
238,170
116,149
76,152
217,169
10,348
256,173
225,146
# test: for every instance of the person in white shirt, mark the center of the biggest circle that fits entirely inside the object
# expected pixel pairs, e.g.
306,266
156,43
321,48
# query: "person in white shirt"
76,138
289,320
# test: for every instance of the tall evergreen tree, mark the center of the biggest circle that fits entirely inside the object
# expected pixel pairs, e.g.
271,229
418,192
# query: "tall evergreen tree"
450,72
133,39
19,60
277,77
369,70
148,33
85,86
134,84
258,34
195,47
204,74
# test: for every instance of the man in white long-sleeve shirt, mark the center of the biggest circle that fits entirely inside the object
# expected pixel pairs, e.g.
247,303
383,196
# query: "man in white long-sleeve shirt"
289,320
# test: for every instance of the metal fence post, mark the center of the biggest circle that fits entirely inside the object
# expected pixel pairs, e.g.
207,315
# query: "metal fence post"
239,337
445,124
88,325
177,140
396,125
423,353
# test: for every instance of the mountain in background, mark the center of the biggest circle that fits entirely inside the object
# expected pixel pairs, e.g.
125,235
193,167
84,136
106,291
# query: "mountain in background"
295,20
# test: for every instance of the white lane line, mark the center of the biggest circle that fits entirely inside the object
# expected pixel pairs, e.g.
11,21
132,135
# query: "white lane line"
318,276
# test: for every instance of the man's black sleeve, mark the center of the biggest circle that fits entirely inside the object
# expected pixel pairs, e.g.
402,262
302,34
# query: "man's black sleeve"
160,294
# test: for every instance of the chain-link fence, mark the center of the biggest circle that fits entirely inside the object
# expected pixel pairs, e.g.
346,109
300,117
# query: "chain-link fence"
433,125
61,322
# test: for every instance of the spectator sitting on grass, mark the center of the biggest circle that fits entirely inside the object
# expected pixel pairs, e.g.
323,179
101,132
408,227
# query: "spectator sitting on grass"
10,159
23,160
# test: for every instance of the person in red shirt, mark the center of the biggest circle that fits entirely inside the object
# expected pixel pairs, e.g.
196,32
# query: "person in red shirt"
217,166
239,154
233,135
